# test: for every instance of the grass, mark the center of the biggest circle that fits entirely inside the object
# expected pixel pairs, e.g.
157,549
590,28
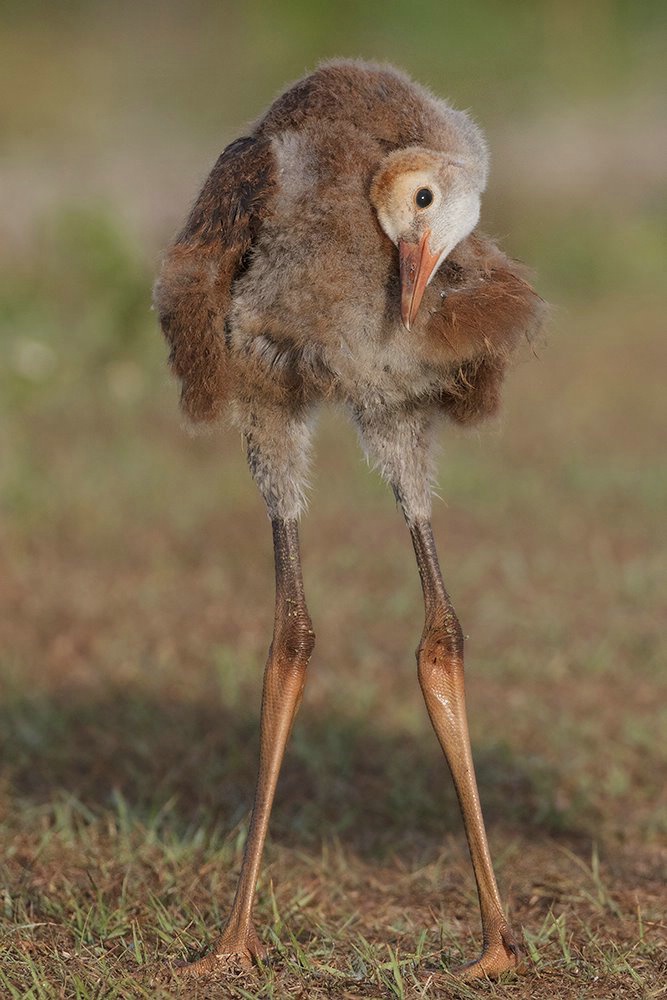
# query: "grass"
137,571
138,593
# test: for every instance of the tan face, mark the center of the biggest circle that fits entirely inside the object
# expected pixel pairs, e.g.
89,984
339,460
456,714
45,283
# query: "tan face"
404,209
426,204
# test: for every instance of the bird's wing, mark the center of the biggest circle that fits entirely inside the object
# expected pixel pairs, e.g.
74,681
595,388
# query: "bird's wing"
482,308
193,293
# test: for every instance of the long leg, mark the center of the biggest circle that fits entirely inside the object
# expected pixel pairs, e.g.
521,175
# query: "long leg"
284,680
440,667
399,442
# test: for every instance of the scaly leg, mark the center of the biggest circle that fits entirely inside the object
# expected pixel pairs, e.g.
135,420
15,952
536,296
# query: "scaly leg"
399,442
440,663
284,680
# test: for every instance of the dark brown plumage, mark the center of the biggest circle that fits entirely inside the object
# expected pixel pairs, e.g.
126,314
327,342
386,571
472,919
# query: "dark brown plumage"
332,255
194,293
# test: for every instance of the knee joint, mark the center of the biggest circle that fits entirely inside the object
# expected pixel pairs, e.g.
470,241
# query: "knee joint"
440,650
294,639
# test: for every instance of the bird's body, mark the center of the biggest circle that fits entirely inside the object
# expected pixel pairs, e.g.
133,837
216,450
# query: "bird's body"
331,257
282,290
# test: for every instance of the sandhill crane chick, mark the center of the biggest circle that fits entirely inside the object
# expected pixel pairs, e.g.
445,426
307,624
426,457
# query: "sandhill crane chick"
333,254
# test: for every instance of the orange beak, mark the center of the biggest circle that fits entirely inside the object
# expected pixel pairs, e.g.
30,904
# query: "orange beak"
416,265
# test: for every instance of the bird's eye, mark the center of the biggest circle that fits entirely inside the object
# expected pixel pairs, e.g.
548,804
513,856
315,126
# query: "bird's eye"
424,197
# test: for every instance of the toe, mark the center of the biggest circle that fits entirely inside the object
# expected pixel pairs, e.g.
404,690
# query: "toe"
502,954
230,957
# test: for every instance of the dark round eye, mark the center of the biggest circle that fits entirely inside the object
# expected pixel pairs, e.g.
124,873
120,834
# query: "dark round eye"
424,197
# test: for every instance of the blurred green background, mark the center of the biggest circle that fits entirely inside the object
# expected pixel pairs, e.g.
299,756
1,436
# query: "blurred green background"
136,578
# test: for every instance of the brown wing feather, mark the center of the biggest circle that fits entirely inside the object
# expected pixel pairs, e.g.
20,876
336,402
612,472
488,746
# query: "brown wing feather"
193,293
486,308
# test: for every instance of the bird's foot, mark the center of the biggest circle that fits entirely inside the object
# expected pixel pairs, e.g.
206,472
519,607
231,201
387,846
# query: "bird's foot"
235,953
502,953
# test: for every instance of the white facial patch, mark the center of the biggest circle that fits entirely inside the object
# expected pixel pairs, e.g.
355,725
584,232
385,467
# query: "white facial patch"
457,217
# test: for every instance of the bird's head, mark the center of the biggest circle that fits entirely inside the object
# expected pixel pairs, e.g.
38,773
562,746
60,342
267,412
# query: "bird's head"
426,203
